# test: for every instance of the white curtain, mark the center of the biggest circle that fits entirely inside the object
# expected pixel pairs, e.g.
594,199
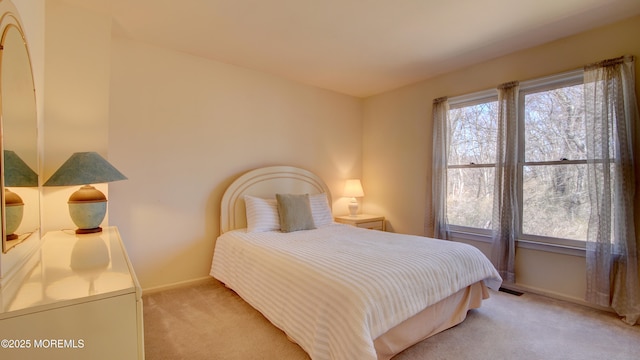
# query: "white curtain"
612,258
505,200
439,169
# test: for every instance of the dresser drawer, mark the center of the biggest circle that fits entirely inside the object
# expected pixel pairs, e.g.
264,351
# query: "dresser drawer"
365,221
373,225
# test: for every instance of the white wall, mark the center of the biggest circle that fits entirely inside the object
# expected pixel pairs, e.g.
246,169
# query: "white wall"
182,128
397,141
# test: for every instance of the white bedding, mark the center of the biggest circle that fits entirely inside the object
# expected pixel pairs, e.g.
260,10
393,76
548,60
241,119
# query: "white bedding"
335,289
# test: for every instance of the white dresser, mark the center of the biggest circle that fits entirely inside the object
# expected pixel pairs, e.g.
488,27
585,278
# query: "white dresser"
81,300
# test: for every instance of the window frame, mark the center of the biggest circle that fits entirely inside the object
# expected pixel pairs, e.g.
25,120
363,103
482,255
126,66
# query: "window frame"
486,96
537,242
530,87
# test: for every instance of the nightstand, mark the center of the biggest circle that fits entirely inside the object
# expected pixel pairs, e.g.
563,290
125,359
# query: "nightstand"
366,221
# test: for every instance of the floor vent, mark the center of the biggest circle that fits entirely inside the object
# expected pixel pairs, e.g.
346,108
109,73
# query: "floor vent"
512,292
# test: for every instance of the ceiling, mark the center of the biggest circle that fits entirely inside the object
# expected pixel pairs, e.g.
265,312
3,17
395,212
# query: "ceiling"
355,47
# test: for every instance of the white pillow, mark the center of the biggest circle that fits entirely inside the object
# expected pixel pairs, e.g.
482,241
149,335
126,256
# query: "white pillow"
262,214
320,210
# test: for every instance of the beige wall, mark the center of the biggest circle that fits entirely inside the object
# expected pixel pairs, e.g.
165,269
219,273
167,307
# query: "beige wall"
397,140
77,77
182,128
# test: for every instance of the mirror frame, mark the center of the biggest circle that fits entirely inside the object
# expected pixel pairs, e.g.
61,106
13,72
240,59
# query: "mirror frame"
9,19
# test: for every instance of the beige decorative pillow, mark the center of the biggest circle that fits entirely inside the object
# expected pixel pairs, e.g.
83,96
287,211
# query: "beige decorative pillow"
295,212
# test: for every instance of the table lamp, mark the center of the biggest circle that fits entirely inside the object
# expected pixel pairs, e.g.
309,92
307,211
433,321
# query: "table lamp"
88,205
16,174
353,189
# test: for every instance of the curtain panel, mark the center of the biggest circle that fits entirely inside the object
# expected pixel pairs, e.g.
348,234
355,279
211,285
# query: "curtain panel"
612,258
505,199
439,168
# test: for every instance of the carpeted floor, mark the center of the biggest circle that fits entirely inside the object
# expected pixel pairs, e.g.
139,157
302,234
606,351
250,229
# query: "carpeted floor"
211,322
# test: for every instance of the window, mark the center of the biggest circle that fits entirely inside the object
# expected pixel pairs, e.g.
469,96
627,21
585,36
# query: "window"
553,195
471,159
555,198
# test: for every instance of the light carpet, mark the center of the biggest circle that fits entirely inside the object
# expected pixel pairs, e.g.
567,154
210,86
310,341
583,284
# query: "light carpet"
209,321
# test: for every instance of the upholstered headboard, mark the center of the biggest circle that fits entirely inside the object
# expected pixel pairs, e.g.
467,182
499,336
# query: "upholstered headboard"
266,182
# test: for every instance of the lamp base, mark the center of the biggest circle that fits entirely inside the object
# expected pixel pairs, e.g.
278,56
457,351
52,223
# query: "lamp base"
353,207
14,211
89,231
87,208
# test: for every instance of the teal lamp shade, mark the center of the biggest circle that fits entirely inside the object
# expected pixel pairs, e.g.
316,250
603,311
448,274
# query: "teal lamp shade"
88,205
16,174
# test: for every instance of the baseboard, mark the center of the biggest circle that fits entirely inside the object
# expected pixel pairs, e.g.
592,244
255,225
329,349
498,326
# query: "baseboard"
176,285
553,295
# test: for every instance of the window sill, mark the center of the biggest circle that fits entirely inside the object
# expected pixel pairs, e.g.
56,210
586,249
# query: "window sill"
525,244
461,233
554,248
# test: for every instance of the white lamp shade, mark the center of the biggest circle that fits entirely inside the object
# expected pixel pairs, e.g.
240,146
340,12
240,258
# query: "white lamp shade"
353,188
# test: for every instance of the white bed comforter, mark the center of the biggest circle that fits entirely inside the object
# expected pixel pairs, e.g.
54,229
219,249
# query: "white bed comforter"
335,289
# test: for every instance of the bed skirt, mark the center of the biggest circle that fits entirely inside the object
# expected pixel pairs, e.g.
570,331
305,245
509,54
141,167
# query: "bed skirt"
430,321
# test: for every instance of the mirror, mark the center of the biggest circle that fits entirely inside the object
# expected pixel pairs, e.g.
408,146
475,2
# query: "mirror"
19,189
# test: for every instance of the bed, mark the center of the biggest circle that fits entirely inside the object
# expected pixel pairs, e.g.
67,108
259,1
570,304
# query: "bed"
338,291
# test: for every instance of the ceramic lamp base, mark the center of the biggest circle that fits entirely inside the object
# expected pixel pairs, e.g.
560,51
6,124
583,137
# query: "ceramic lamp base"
14,211
353,207
87,208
